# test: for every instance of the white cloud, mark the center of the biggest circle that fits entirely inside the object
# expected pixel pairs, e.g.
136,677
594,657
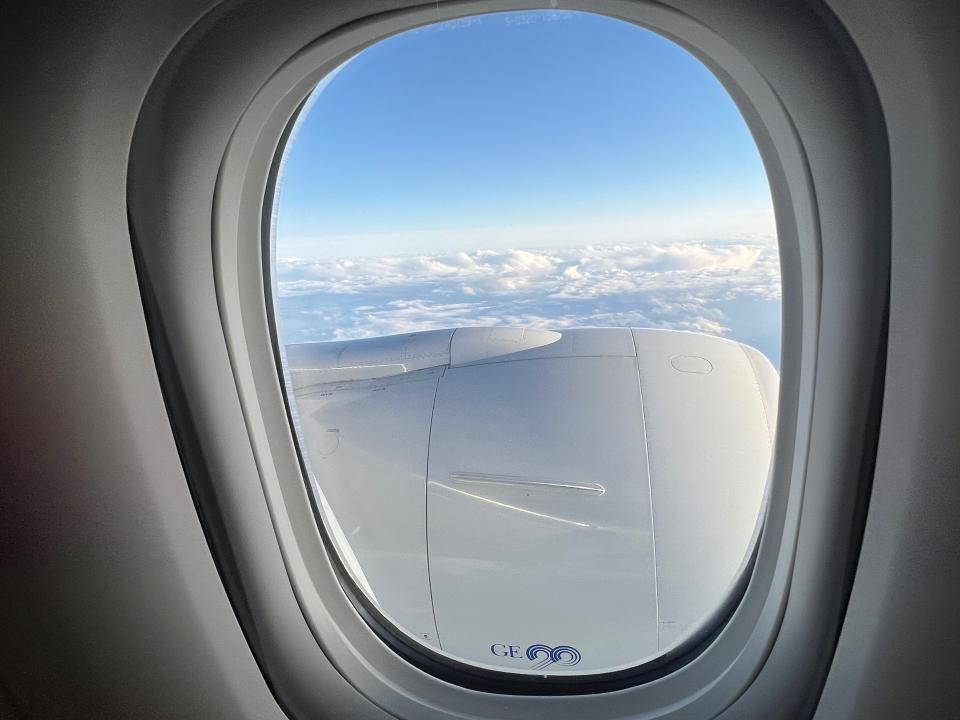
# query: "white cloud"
722,287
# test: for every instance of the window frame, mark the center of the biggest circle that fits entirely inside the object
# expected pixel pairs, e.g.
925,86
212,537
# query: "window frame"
255,506
408,645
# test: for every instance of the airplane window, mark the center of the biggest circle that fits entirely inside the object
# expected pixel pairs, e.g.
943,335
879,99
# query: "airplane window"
528,294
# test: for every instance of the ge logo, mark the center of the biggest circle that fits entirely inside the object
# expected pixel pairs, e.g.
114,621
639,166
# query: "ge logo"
543,656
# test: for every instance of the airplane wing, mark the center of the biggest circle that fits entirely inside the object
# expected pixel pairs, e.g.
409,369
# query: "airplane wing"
540,500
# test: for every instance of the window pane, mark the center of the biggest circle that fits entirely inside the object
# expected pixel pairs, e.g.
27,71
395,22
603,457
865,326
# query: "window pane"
528,291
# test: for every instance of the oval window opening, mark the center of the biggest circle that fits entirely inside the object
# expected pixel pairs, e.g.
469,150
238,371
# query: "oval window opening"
528,295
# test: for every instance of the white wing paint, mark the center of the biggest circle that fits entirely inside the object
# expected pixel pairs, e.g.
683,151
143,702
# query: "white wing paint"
535,500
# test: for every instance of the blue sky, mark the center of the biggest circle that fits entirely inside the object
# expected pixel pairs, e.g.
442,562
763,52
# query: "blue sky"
515,120
549,169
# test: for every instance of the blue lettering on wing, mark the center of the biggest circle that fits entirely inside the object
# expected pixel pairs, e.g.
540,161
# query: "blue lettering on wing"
542,656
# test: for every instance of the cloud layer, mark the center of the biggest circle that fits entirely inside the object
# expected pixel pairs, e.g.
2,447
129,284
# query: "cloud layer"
725,288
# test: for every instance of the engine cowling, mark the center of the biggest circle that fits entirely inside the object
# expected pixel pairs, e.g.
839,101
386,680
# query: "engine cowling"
540,500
